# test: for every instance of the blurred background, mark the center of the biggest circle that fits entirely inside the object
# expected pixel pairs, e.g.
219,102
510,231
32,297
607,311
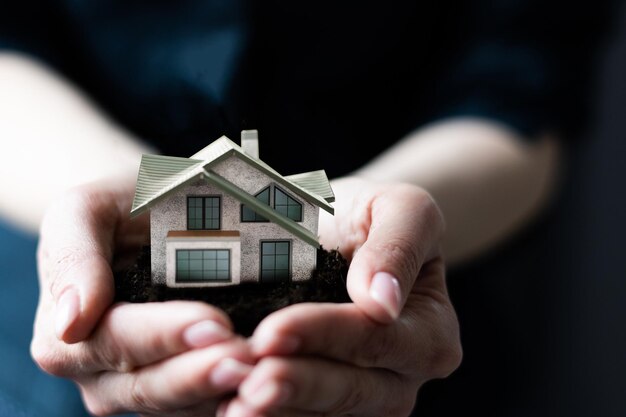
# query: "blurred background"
542,317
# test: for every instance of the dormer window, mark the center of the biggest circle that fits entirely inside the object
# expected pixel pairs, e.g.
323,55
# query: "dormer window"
279,200
203,213
249,215
286,205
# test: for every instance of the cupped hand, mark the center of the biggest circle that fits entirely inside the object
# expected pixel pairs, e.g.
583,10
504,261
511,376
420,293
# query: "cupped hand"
165,359
371,357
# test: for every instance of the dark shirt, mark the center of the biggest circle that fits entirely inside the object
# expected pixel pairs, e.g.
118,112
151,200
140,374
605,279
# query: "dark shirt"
328,84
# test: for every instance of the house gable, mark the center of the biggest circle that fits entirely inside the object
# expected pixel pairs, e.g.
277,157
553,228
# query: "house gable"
247,197
223,147
292,186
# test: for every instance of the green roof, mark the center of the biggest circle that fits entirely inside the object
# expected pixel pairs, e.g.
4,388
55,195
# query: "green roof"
315,182
159,175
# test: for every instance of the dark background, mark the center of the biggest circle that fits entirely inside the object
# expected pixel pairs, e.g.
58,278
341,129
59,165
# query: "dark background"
542,317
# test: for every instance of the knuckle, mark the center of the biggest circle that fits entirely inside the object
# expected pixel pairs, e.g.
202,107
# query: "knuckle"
401,252
420,199
430,210
115,359
66,259
54,258
140,398
109,351
96,406
403,404
48,359
379,344
440,341
352,401
445,357
354,397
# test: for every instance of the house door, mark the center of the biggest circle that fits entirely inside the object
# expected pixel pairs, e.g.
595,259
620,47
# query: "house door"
275,261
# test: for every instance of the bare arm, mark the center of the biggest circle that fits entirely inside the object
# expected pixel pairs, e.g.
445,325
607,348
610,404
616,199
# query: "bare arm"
52,138
486,181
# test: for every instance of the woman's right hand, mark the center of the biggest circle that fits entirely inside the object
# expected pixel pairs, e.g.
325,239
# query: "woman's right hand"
167,359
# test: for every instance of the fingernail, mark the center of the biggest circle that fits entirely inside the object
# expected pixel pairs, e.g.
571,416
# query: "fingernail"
270,342
270,393
67,311
229,373
385,290
205,333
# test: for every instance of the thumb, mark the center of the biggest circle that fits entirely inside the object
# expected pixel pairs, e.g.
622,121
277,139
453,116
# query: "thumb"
404,233
74,254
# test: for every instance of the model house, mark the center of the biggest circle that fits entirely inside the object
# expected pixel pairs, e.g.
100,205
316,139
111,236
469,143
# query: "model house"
223,216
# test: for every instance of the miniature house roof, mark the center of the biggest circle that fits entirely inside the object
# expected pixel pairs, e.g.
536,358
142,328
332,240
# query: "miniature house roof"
159,175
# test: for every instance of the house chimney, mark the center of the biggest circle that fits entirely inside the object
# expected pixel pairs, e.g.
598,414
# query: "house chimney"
250,142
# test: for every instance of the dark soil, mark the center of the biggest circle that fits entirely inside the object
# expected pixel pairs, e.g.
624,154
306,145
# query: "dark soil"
248,303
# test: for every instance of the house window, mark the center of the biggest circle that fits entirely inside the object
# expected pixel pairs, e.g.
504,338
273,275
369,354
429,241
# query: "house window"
202,265
281,202
275,257
249,215
203,213
286,205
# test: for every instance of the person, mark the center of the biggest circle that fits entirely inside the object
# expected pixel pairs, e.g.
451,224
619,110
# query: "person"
442,134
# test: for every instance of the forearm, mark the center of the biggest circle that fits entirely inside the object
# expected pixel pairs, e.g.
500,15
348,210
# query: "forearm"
486,181
52,138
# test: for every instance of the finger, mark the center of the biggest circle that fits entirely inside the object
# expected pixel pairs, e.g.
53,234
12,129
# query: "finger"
323,386
183,381
132,335
74,255
424,341
238,408
204,409
292,412
404,232
341,332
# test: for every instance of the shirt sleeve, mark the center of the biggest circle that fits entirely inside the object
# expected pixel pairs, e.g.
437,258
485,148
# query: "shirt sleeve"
528,64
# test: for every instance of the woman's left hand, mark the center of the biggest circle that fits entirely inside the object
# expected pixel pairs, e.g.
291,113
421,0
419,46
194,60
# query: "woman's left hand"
370,357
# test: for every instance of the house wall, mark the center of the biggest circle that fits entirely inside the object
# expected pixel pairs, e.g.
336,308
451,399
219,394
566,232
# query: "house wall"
171,214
